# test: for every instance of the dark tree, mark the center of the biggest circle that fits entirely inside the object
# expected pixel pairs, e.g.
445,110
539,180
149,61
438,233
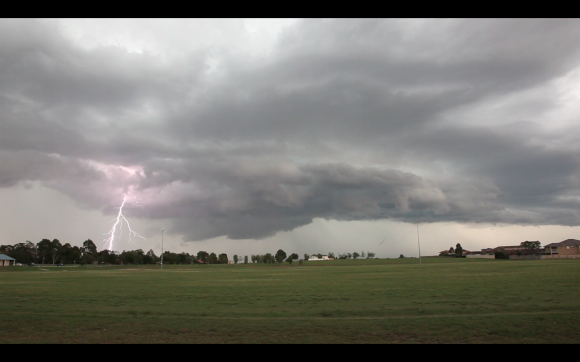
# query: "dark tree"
223,258
280,255
212,258
203,257
246,259
458,250
268,258
401,256
44,248
355,255
71,254
531,244
110,257
89,251
150,257
56,250
236,258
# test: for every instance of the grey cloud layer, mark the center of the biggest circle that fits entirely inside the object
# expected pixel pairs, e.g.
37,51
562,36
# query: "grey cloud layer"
343,119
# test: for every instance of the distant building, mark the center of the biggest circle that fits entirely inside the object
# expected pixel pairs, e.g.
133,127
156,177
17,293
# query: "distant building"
507,249
322,257
566,247
5,260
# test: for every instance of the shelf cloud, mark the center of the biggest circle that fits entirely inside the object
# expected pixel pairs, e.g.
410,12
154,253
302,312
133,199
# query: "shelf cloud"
469,121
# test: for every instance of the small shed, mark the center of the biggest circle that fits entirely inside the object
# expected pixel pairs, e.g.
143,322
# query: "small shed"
5,260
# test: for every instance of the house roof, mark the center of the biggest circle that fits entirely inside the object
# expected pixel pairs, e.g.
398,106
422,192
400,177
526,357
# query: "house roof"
5,257
567,242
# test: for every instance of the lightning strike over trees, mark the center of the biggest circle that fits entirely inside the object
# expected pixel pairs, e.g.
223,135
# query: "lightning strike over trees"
119,222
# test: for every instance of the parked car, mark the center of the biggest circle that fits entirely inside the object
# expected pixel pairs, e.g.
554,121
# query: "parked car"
60,264
31,264
18,264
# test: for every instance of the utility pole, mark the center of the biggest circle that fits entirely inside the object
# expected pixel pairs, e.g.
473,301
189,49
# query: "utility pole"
418,243
162,231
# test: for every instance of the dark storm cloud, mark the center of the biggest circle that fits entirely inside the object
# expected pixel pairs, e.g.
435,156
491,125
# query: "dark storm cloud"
342,119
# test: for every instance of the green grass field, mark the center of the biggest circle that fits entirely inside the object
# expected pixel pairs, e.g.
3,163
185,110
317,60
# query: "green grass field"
443,300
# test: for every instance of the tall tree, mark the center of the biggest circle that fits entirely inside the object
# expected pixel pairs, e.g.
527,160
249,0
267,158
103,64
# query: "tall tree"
458,250
212,258
245,259
56,251
150,257
280,255
355,255
236,258
268,258
89,251
44,248
203,257
223,258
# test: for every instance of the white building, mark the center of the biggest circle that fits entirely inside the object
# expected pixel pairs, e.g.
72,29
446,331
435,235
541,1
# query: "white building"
315,257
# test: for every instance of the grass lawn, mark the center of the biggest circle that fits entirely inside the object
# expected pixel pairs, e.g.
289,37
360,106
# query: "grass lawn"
444,300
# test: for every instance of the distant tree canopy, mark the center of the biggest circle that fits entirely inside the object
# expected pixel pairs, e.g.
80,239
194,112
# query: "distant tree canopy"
212,258
280,255
52,251
531,244
458,250
203,256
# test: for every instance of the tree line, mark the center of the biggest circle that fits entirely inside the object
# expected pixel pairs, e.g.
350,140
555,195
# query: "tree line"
54,252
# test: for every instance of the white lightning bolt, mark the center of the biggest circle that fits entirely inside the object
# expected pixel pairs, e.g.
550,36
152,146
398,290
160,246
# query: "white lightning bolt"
119,221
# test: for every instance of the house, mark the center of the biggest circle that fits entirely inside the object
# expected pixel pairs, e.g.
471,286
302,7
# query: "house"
5,260
479,254
507,249
323,257
566,247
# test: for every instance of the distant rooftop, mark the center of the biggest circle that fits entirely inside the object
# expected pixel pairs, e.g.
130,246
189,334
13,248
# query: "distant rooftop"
5,257
567,242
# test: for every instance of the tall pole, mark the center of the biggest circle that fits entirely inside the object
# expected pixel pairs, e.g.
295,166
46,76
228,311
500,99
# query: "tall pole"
418,243
162,231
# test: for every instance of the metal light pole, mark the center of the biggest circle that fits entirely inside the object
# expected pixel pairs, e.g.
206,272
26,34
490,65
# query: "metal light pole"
162,231
418,243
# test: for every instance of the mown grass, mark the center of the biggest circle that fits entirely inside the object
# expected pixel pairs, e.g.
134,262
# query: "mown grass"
443,300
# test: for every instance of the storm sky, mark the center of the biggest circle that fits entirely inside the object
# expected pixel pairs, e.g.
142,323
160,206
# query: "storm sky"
247,135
